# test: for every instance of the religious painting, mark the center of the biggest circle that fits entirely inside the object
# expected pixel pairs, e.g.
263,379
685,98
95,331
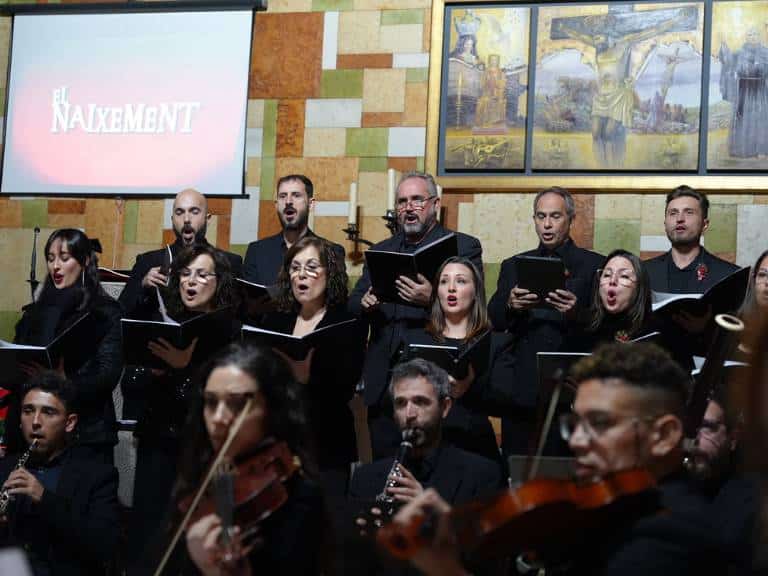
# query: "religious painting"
618,87
738,87
485,78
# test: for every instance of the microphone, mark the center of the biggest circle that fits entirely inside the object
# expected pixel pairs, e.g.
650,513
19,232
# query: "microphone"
33,283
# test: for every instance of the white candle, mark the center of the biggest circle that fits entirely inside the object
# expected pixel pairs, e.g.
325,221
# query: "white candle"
352,219
391,189
439,191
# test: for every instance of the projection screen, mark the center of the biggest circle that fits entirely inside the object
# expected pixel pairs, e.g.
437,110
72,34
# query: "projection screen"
128,103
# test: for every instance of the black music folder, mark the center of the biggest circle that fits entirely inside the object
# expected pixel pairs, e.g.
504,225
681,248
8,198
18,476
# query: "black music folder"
540,275
297,347
455,359
70,344
213,330
725,296
258,299
385,267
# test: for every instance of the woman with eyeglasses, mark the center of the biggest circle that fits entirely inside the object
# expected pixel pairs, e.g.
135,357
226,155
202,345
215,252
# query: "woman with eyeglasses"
289,539
756,299
312,294
70,291
458,317
200,282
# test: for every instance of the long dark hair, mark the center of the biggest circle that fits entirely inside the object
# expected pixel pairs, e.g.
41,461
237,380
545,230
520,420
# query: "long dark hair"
749,306
336,291
478,315
80,248
639,307
225,293
285,414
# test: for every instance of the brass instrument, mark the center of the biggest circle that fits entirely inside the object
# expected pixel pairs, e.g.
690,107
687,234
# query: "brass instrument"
5,497
387,502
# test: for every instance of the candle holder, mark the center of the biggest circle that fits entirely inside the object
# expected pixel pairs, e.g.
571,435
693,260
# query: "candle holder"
391,219
353,235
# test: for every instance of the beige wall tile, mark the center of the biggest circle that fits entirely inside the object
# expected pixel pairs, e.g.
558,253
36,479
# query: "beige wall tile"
731,198
325,141
652,215
401,38
384,90
253,172
66,221
130,251
331,176
391,4
102,221
290,5
359,32
149,225
617,206
255,114
15,252
372,193
503,224
415,104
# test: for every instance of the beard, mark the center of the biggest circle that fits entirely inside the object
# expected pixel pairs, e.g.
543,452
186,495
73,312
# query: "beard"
302,217
199,236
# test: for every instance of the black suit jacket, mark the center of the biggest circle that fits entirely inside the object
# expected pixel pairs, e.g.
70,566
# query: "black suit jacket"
78,523
717,269
141,303
540,329
265,257
389,321
334,374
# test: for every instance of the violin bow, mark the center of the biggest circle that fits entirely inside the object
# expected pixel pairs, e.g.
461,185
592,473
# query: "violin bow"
533,468
201,490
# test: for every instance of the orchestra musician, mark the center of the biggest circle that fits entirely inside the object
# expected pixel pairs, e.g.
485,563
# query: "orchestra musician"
290,539
420,393
458,316
628,413
417,206
200,282
63,509
94,363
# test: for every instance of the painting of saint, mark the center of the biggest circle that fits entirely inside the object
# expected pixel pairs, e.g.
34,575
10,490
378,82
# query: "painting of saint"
484,86
618,87
738,106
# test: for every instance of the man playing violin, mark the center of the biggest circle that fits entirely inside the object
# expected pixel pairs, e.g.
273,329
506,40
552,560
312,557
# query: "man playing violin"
628,413
62,510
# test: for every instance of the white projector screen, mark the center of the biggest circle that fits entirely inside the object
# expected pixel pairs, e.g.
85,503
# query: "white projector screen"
130,103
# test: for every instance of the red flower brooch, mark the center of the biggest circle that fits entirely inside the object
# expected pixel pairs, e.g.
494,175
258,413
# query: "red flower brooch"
701,272
621,336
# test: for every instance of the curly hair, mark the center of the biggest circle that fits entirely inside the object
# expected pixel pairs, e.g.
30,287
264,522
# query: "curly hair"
639,306
80,247
225,292
336,291
478,315
642,366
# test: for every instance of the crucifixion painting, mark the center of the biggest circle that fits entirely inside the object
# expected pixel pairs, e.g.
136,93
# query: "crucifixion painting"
618,87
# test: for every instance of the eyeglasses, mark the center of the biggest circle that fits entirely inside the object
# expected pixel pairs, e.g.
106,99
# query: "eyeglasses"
624,277
203,276
415,203
234,402
311,268
761,276
594,424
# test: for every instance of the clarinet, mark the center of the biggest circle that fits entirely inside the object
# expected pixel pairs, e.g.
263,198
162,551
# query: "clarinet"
384,499
5,497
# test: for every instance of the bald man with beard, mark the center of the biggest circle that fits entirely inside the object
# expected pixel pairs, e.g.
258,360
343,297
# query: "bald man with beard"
189,220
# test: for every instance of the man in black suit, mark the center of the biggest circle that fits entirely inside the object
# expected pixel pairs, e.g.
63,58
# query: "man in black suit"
687,267
628,413
540,326
420,395
189,219
64,511
417,206
295,199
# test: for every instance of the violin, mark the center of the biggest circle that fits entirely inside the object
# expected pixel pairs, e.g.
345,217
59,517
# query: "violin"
538,515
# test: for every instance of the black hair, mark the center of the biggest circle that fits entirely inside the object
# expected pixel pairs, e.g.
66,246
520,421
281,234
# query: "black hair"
684,190
80,248
55,384
308,186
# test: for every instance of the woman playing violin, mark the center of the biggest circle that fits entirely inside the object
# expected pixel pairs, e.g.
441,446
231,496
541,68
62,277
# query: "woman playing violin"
289,539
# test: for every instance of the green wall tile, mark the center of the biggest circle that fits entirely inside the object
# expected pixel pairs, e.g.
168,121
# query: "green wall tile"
367,141
238,249
269,138
8,319
130,221
613,234
491,272
721,236
372,165
34,213
267,185
341,84
413,75
420,163
332,5
394,17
